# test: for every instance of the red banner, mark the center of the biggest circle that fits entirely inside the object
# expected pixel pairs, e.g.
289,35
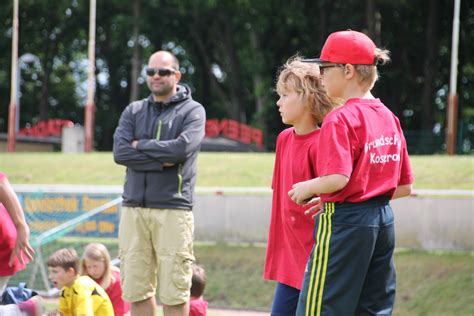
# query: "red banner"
47,128
235,131
214,128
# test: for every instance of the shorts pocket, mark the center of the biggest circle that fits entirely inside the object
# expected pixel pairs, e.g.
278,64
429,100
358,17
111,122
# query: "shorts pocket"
183,270
122,265
138,274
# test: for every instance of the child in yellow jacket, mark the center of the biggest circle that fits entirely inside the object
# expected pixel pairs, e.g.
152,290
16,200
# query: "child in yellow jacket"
80,295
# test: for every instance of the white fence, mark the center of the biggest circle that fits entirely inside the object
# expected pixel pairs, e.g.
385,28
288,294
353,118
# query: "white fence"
432,219
420,222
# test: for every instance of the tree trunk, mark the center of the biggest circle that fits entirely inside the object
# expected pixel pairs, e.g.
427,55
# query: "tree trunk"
233,72
370,17
323,12
209,80
47,68
431,44
135,62
373,18
258,83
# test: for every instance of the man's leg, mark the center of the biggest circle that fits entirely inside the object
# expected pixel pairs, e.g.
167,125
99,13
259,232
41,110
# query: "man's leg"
138,266
144,308
176,310
174,249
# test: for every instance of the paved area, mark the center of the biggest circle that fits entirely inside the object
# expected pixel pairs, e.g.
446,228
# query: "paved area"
53,301
231,312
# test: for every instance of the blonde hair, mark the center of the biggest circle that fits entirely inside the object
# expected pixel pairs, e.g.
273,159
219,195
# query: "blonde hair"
368,74
65,258
98,252
304,79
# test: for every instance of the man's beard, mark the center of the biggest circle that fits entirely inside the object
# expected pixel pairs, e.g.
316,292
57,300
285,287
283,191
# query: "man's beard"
163,90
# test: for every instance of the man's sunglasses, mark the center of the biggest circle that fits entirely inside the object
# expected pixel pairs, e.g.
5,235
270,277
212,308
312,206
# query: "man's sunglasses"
163,72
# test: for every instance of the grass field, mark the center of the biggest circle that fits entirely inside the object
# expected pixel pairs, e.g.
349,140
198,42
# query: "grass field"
429,283
214,169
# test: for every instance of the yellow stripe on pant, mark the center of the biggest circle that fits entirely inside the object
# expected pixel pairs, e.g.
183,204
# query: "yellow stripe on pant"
320,262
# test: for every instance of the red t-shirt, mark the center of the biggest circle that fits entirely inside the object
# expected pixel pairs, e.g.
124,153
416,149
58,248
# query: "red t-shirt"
7,242
197,307
364,141
114,291
290,238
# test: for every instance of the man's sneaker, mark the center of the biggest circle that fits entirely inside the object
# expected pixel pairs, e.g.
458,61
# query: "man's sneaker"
32,307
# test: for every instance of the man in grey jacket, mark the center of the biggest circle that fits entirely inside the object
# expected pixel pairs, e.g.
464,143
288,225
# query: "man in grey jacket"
158,140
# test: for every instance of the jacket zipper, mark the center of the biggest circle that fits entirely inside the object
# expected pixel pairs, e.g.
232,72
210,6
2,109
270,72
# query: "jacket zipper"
158,134
158,130
180,179
144,192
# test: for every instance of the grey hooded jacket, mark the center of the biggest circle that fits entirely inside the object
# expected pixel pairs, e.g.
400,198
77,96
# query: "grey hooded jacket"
166,132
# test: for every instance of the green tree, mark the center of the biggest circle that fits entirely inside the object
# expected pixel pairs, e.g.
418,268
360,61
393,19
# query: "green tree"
230,52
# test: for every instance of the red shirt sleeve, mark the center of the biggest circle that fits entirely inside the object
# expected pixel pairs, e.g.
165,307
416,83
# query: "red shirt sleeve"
406,175
114,291
276,164
335,154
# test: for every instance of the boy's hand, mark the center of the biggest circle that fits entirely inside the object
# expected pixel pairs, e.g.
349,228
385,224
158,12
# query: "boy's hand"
316,208
300,192
22,246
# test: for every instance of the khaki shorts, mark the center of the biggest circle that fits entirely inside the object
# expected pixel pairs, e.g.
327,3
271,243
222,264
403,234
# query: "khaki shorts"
156,252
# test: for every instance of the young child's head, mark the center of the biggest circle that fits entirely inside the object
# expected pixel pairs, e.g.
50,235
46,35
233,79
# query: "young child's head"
63,267
349,58
96,264
198,281
301,92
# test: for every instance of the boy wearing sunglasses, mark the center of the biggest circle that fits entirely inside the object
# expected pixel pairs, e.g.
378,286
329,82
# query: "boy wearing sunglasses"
158,140
362,164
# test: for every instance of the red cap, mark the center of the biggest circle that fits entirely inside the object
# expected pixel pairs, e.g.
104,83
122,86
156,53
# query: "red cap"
347,47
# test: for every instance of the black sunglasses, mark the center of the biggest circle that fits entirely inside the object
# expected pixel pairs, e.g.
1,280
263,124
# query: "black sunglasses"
163,72
322,67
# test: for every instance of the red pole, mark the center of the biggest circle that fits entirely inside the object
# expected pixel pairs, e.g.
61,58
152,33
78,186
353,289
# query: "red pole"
90,105
89,127
452,123
11,139
452,109
11,127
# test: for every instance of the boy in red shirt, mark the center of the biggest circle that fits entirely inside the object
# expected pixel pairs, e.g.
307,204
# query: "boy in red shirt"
303,103
362,164
197,305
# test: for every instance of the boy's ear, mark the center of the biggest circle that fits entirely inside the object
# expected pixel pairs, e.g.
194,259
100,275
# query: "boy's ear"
71,270
349,71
